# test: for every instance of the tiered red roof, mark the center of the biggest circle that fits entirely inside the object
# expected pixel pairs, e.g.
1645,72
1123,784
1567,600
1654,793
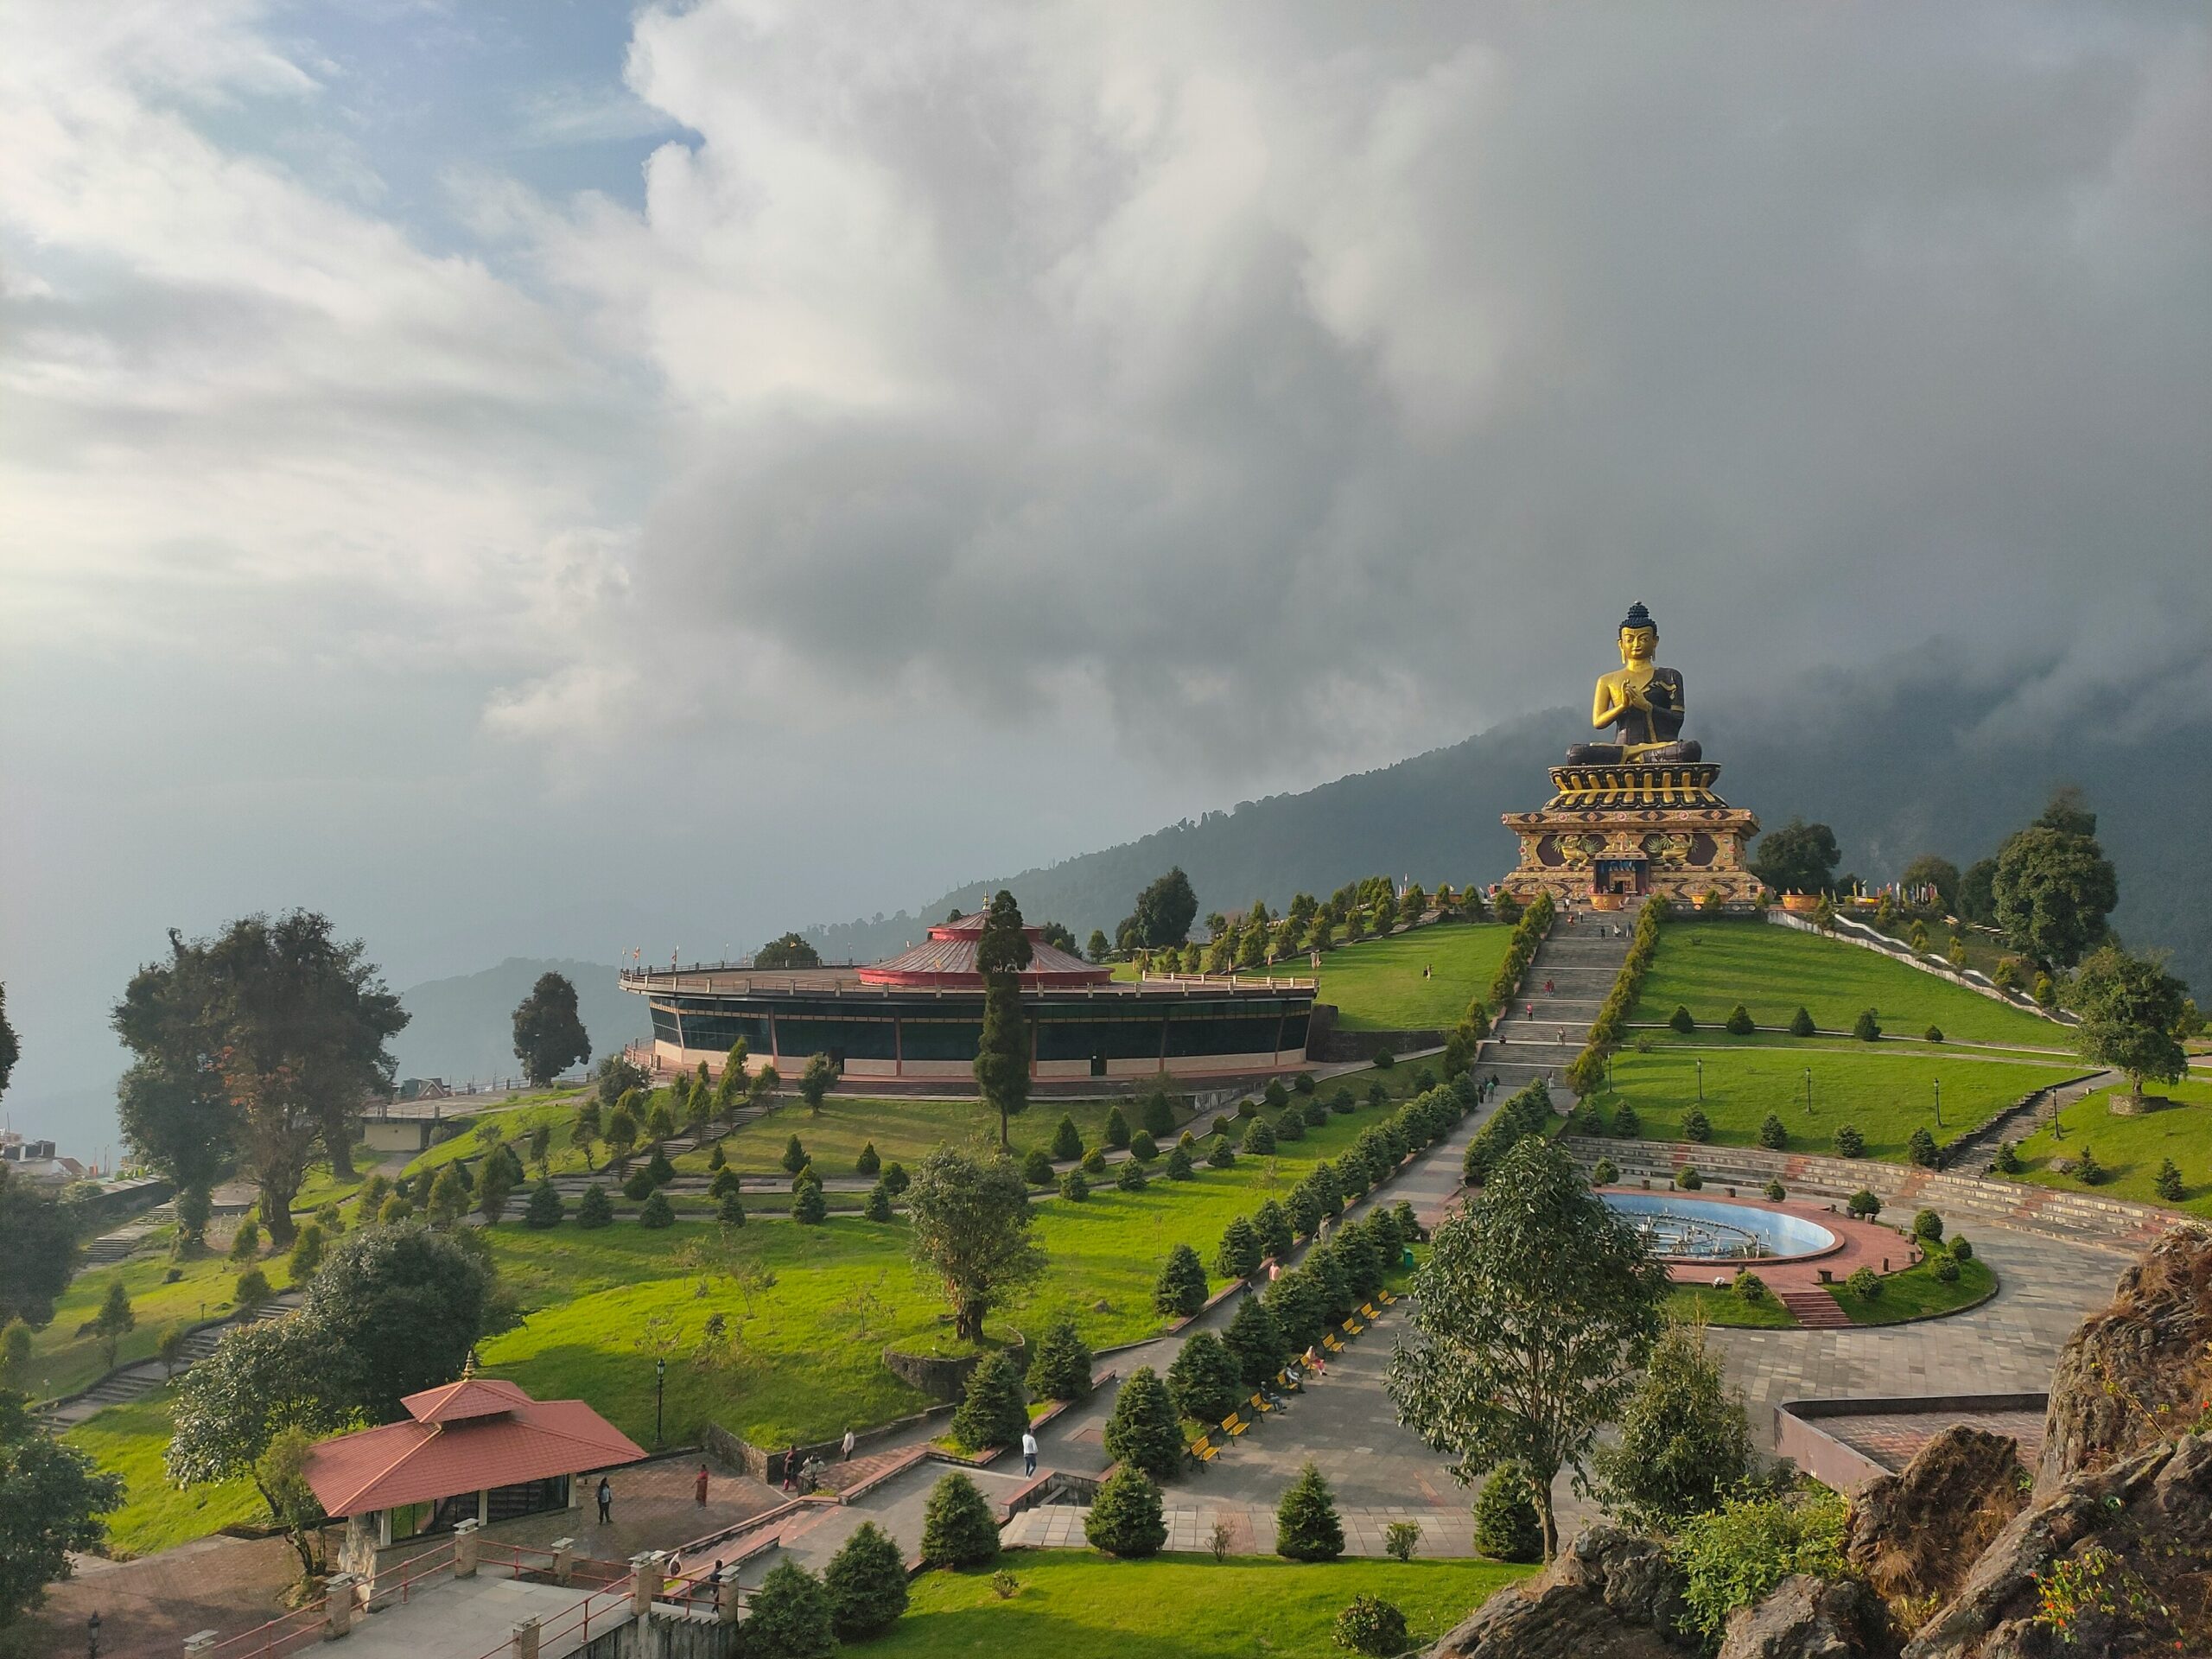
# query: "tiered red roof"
947,958
464,1437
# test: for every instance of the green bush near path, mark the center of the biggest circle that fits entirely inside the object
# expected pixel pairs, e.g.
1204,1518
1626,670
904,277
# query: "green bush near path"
1917,1292
1710,966
2130,1148
1721,1306
1080,1604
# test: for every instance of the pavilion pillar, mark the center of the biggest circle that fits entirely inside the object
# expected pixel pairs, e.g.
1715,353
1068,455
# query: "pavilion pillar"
525,1640
564,1559
464,1548
727,1597
646,1579
338,1606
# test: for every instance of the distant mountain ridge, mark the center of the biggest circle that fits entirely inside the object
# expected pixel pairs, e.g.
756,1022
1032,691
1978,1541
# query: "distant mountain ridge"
1899,760
463,1028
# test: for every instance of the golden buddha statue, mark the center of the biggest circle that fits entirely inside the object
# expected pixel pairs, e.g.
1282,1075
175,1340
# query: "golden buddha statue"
1641,701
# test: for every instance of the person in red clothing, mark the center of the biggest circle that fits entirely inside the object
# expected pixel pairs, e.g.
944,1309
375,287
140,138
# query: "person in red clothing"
699,1486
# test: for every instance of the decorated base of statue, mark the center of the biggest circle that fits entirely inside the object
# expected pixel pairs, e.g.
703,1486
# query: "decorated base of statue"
1625,830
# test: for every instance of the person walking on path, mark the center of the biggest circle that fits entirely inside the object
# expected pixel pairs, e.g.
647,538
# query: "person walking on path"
847,1445
606,1502
791,1468
1028,1452
699,1487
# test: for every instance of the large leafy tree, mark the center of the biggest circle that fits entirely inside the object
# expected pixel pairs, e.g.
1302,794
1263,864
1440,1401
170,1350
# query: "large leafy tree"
38,1251
1978,891
549,1035
399,1308
1164,912
53,1499
2053,889
290,1023
1931,871
788,951
970,1218
261,1380
1800,857
1685,1442
1002,950
2132,1011
1535,1308
180,1121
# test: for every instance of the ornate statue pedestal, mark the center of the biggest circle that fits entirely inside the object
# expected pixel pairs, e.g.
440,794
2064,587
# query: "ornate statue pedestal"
1616,832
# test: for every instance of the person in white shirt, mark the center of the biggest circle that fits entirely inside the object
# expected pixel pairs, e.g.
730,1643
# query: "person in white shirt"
1028,1452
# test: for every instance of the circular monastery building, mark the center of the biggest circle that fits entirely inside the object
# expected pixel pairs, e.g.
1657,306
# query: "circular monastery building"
918,1017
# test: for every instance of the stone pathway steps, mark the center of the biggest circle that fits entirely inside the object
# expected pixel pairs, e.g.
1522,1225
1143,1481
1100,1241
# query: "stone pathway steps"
1816,1310
142,1378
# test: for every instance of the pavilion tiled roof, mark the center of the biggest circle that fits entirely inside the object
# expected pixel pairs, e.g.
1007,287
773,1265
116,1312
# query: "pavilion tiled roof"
948,957
466,1436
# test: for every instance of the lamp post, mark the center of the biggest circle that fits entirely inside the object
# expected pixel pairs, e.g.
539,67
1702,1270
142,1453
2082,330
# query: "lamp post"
1939,1102
1701,1078
92,1637
1808,1091
660,1384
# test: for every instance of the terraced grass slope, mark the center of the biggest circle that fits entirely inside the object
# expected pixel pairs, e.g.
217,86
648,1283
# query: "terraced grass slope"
1378,984
62,1362
1077,1604
1708,967
2131,1148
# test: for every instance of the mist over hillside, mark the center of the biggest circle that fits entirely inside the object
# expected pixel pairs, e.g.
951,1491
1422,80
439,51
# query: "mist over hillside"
463,1028
1901,760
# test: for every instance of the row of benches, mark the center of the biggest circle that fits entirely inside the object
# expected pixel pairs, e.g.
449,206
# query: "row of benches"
1205,1448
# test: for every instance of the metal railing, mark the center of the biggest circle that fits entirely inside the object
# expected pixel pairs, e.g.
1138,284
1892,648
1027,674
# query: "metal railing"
278,1637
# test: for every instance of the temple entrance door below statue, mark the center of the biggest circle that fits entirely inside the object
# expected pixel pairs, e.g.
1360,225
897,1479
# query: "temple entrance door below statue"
1625,876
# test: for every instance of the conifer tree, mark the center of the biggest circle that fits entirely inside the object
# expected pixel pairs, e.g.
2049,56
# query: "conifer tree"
1060,1370
1256,1342
958,1529
1143,1430
1307,1526
993,1411
866,1585
1181,1290
1125,1517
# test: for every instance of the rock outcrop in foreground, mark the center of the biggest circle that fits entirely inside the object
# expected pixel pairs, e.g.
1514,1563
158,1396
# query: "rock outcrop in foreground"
2107,1552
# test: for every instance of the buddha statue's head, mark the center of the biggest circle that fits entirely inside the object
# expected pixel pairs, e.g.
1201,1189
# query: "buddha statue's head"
1639,637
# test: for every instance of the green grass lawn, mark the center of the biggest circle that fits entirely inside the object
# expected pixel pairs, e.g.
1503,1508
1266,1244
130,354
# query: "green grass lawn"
1376,985
1886,1091
1075,1604
1709,967
903,1131
129,1441
2132,1148
1689,1303
1916,1291
62,1362
605,1304
557,1108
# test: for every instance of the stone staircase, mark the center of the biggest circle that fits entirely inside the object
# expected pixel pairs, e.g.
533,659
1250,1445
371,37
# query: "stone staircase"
110,1247
1812,1307
142,1378
1581,964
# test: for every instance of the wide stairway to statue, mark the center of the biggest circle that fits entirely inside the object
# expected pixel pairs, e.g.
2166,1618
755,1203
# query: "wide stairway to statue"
1544,1030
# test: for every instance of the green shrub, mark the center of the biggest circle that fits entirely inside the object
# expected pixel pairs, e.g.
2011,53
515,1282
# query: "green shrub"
809,1207
1125,1517
1303,1083
1801,1023
1307,1526
1060,1368
788,1616
991,1409
1681,1020
639,1186
1776,1192
1864,1027
1734,1556
868,1163
1037,1168
1074,1187
1401,1539
1159,1114
1928,1224
1946,1271
895,1178
1696,1126
2167,1183
1377,1095
657,1212
1373,1626
1143,1147
866,1581
1178,1165
1749,1286
1259,1138
1849,1143
1774,1135
730,1212
1240,1250
1739,1021
1275,1094
1920,1146
2087,1169
1961,1250
877,1206
1688,1180
1221,1155
794,1156
1067,1140
1384,1059
1291,1127
1116,1132
1271,1224
724,1180
1094,1161
1627,1125
1180,1290
1256,1341
1933,1033
1143,1430
594,1210
1864,1204
544,1209
1865,1285
958,1528
1605,1173
1341,1101
1205,1382
1507,1525
252,1290
659,1168
1315,1112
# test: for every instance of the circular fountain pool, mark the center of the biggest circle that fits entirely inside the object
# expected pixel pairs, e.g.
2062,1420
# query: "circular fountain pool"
1678,1228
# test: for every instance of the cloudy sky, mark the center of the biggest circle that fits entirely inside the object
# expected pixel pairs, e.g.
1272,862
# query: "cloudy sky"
541,479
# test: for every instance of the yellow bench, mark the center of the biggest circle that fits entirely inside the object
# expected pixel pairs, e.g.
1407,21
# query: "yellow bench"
1202,1451
1333,1344
1234,1425
1259,1405
1368,1308
1388,1300
1352,1327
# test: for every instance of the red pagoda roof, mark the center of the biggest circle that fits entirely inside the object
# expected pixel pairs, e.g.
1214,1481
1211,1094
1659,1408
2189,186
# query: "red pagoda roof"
466,1436
947,958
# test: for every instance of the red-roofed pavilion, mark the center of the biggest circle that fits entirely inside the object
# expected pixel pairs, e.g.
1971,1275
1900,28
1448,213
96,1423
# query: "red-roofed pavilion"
479,1449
